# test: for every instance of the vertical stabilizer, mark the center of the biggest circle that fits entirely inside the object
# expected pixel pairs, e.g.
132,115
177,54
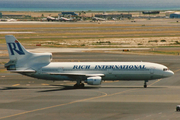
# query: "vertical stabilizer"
21,59
15,49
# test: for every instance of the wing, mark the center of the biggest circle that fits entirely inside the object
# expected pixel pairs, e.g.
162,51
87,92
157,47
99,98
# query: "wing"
76,74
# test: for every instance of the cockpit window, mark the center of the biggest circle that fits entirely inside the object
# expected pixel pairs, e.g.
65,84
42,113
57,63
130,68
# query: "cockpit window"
165,69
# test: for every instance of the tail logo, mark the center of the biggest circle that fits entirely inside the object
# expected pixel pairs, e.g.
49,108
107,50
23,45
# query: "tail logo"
16,47
16,41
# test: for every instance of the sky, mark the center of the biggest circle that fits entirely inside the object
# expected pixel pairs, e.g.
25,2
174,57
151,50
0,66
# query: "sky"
97,1
91,3
168,2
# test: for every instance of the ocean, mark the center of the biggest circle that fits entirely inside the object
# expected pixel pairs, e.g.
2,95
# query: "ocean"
88,5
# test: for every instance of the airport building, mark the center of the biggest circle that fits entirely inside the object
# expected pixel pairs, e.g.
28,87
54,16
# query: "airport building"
70,14
151,12
175,15
12,16
114,15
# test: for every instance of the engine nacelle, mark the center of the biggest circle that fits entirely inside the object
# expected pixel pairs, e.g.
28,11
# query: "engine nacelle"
34,60
41,57
93,80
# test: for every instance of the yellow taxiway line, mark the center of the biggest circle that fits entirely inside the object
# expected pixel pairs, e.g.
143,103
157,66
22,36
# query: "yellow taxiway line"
50,107
16,85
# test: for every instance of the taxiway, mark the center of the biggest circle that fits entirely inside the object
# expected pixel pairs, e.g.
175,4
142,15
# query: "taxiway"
28,98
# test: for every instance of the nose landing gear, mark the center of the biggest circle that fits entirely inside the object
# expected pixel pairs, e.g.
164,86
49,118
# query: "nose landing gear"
145,83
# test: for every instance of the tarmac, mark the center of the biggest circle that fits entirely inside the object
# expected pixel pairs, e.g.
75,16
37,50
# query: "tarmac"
28,98
25,98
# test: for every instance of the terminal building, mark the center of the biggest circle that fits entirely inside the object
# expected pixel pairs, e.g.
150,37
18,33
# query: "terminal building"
151,12
13,16
70,14
114,16
175,15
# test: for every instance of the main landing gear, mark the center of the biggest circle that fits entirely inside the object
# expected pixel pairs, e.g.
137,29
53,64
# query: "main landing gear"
79,85
145,83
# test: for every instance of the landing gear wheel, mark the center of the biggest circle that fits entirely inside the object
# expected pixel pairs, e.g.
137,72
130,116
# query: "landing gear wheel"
76,86
145,83
81,85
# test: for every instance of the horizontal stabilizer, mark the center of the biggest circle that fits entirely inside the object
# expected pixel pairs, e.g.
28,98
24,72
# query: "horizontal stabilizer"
22,71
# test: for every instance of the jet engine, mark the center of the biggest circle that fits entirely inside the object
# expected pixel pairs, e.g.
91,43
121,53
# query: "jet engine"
93,80
41,57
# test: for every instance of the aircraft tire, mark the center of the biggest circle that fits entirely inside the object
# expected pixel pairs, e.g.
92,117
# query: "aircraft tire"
81,85
76,86
145,86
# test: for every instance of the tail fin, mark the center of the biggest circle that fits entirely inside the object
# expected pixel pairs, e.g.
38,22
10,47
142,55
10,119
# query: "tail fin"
15,49
16,52
20,59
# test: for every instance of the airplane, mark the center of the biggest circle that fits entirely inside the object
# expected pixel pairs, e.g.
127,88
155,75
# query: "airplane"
8,20
65,19
114,19
49,18
39,65
98,19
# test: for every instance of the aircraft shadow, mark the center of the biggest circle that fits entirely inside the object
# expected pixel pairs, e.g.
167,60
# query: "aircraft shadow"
64,87
56,88
133,87
12,88
67,88
87,87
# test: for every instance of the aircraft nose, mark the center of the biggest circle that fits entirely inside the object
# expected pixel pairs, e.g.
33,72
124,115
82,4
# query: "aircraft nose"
168,73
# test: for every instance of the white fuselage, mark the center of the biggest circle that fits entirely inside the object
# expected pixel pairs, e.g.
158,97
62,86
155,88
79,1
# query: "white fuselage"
111,70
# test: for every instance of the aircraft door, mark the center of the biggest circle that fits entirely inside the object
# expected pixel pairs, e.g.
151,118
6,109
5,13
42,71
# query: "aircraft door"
60,69
110,71
152,70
